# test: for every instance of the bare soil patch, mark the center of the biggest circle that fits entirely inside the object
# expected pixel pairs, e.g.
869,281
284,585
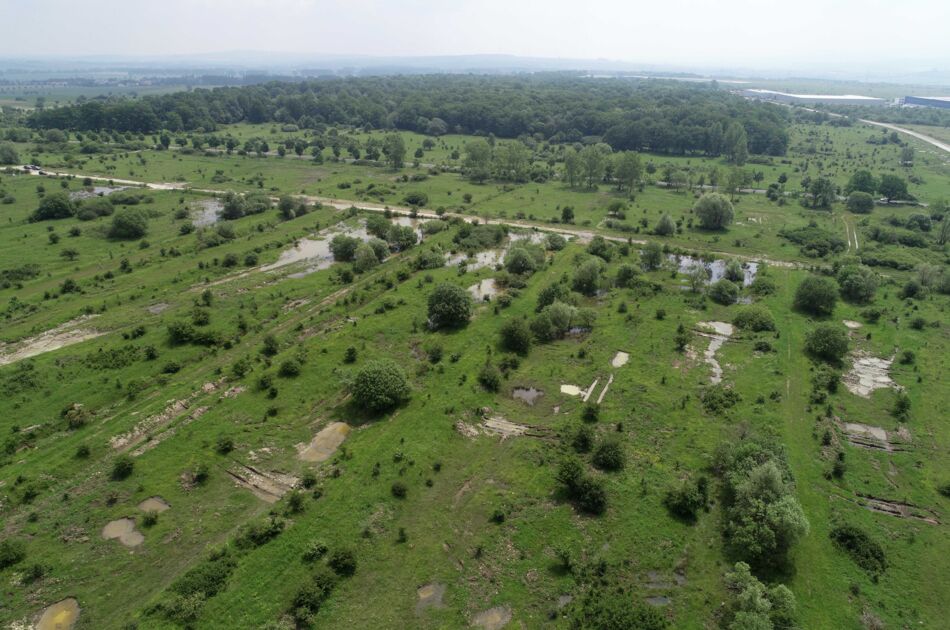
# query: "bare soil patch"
154,504
156,309
867,374
70,333
722,333
899,509
267,486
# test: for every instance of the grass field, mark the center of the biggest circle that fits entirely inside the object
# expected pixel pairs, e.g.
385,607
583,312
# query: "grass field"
482,514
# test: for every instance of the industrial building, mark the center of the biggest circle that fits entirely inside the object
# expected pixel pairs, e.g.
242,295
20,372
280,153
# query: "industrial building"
942,102
812,99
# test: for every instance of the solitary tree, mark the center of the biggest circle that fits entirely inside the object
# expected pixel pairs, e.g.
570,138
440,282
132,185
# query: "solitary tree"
816,295
380,385
736,144
449,306
714,211
394,148
892,187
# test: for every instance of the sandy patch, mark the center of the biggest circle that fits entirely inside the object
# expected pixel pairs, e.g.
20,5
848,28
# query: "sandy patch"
154,504
603,392
63,335
867,374
324,443
571,390
155,309
493,618
430,596
849,323
716,340
59,616
124,530
867,436
620,359
499,426
267,486
158,421
899,509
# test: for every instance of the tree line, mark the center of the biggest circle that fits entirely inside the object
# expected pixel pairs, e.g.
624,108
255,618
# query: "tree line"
641,115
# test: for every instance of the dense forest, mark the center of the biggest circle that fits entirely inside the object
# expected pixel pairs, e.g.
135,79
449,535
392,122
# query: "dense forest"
629,115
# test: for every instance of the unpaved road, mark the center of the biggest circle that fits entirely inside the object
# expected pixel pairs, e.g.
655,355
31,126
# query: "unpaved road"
345,204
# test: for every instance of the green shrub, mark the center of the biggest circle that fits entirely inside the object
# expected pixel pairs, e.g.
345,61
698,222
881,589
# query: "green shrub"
11,552
343,562
609,455
256,534
724,292
755,318
865,552
122,467
380,385
827,341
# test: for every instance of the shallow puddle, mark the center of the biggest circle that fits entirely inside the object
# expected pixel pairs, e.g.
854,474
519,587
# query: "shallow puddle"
325,443
484,290
314,251
124,530
716,268
480,260
59,616
527,394
207,212
95,191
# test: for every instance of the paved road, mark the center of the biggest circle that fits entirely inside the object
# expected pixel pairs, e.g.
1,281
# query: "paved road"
920,136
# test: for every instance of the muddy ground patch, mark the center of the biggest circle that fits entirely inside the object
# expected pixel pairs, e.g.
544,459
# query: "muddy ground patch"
493,619
59,616
123,530
720,335
325,443
430,596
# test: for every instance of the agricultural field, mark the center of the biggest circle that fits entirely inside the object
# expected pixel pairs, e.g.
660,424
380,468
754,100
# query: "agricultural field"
246,390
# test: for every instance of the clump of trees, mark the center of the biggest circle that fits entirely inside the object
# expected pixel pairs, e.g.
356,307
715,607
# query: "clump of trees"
586,491
754,606
858,283
763,517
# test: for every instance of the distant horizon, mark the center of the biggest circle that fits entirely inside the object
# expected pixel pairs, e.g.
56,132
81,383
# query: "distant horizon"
852,38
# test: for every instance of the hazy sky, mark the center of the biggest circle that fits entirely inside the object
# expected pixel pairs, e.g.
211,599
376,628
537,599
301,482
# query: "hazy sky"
748,33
